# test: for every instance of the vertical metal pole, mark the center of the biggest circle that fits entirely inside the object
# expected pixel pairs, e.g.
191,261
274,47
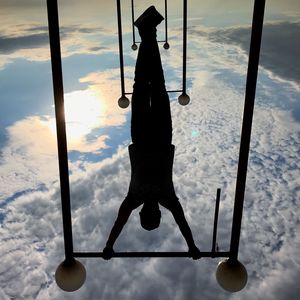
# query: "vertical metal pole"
120,48
132,22
184,46
216,220
257,26
53,25
166,21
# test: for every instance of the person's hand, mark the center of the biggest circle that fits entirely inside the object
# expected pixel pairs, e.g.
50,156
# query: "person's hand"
108,253
194,252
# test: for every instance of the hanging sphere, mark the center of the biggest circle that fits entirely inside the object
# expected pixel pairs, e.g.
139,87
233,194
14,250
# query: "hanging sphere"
166,45
134,47
184,99
70,276
231,275
123,102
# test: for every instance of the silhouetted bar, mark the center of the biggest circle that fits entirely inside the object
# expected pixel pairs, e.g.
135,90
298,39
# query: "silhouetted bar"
152,254
216,220
53,25
257,26
166,20
184,45
132,22
170,91
138,42
120,47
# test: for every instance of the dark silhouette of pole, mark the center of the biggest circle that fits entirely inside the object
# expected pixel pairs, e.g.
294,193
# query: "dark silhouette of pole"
216,220
257,26
166,20
132,24
120,47
150,254
166,44
184,46
53,25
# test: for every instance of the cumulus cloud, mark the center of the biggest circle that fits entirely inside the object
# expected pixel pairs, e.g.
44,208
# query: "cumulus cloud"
33,225
30,155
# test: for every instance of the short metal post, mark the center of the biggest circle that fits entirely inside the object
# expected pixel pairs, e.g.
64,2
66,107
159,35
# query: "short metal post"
216,220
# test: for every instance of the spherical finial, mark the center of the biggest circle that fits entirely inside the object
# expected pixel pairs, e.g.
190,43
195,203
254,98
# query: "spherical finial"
70,276
134,47
231,275
184,99
123,102
166,45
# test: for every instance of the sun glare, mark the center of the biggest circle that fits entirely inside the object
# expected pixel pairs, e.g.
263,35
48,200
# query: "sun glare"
83,111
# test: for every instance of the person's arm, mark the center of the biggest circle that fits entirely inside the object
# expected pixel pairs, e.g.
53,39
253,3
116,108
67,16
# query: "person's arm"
123,215
178,214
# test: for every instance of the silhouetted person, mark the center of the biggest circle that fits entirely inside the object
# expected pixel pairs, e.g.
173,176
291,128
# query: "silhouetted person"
152,152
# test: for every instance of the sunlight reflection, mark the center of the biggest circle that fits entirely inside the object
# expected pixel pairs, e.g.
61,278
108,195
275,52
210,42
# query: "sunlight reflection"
83,112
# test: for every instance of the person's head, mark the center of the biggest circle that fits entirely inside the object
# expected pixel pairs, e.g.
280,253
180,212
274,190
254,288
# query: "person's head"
150,216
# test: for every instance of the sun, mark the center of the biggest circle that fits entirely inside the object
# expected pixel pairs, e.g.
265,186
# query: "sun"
83,111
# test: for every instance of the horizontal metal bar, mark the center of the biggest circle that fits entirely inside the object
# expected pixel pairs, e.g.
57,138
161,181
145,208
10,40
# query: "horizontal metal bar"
175,91
151,254
163,41
171,91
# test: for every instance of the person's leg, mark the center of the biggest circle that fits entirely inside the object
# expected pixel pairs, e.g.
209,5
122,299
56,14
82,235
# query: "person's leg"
140,102
176,209
160,103
150,82
161,114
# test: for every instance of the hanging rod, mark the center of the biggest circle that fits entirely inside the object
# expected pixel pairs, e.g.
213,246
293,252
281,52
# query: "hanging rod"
152,254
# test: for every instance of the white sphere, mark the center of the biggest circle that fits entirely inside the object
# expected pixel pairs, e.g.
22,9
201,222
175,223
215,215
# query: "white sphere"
70,276
184,99
134,47
123,102
166,45
231,275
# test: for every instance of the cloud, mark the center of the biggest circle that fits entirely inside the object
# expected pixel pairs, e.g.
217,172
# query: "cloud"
107,86
11,44
31,41
206,134
28,161
279,50
33,229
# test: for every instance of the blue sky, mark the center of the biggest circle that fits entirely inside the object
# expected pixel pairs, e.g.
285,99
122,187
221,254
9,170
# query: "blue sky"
206,134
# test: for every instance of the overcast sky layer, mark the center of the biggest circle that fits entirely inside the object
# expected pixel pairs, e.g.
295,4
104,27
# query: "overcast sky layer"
206,134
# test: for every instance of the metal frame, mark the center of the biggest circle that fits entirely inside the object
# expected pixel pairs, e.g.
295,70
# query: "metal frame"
53,24
253,61
257,25
184,46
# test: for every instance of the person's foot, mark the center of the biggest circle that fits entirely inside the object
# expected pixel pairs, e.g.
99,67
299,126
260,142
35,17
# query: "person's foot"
194,252
147,23
108,253
149,18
